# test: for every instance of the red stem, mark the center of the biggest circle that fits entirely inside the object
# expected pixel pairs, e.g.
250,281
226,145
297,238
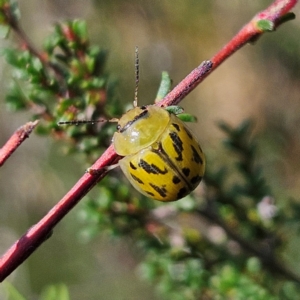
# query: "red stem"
19,136
36,235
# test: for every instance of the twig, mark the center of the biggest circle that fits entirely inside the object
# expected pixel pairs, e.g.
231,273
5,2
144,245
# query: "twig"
27,244
40,232
25,41
16,140
248,33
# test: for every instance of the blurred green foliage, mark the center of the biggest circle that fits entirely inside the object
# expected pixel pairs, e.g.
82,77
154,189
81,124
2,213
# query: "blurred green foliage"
224,241
53,292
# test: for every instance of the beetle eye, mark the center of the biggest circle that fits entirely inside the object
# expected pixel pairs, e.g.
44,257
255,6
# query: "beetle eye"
118,127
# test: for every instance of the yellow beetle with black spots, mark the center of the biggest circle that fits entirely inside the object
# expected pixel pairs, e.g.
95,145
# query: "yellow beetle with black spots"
162,158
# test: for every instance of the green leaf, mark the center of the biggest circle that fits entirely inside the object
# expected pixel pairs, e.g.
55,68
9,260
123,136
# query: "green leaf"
254,265
265,25
37,64
12,292
178,111
4,30
10,56
15,98
54,292
187,118
164,87
80,29
174,109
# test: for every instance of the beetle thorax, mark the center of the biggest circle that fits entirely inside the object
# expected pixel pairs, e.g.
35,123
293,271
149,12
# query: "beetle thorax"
139,128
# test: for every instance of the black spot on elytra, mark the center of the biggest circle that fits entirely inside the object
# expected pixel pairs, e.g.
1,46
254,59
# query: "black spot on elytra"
188,133
196,157
151,169
196,179
149,193
136,179
160,190
132,166
177,144
186,171
176,179
177,127
182,192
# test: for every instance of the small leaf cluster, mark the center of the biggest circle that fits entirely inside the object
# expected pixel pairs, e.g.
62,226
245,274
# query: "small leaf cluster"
65,81
239,200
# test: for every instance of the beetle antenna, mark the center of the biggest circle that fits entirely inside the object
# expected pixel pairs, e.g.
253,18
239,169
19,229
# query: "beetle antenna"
137,76
80,122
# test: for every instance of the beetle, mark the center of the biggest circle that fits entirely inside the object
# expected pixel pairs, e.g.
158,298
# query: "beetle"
162,158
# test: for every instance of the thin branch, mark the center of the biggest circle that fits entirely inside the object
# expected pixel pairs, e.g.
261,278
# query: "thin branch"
40,232
28,243
19,136
247,34
25,41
